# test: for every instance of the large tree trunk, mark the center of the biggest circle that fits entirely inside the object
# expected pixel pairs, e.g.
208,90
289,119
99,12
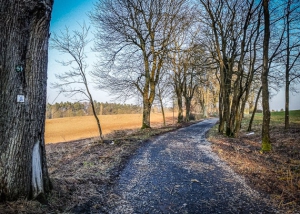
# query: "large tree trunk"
187,109
24,33
266,142
221,116
146,114
226,103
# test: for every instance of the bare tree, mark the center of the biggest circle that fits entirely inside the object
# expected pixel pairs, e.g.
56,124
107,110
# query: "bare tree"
207,92
164,91
75,80
232,37
195,74
266,142
132,38
24,33
182,62
176,65
291,19
254,110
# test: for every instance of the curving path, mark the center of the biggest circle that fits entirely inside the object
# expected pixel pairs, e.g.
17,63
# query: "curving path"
178,173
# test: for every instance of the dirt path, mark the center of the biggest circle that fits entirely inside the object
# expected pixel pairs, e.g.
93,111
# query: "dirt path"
179,173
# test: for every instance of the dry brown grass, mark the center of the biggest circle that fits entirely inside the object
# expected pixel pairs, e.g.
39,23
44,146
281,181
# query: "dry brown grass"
73,128
83,172
277,172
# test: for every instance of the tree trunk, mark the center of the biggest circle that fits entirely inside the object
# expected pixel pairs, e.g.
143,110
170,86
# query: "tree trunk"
180,111
287,71
202,102
221,117
187,109
266,142
254,110
97,120
24,33
287,102
226,104
146,114
162,109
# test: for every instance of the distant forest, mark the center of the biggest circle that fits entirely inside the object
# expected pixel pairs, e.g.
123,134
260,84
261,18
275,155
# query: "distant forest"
68,109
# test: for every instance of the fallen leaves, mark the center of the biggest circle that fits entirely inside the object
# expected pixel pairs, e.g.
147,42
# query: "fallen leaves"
276,172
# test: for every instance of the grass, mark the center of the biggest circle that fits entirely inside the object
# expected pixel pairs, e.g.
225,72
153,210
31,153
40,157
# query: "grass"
277,118
276,173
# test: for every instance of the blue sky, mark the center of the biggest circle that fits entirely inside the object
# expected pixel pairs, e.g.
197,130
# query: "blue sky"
70,13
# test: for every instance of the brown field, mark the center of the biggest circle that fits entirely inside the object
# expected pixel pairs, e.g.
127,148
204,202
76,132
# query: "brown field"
74,128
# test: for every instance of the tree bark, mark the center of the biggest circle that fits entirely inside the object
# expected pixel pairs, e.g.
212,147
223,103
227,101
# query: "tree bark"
254,110
180,111
221,118
266,142
97,120
287,102
202,101
187,109
162,106
146,114
287,70
24,33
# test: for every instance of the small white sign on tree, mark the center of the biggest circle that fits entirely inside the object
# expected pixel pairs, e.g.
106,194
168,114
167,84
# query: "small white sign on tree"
20,98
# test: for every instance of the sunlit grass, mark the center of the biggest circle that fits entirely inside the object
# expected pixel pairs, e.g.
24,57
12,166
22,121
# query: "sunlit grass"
277,118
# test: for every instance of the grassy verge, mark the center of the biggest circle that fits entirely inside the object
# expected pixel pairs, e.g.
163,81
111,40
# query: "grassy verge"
277,172
83,172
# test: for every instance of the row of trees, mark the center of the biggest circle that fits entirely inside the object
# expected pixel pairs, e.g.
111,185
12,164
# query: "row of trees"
220,51
216,53
231,49
68,109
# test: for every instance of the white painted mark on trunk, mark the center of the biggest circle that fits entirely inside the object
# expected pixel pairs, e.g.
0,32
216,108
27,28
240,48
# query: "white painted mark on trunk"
37,176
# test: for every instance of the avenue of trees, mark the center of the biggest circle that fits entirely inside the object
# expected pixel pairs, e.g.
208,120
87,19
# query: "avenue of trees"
133,38
221,55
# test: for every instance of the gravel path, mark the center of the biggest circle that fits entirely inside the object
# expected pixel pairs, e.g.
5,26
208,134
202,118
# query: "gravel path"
179,173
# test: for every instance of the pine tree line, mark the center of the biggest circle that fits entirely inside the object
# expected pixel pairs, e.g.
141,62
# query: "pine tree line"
69,109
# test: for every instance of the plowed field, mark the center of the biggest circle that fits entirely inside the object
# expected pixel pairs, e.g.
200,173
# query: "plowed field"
73,128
